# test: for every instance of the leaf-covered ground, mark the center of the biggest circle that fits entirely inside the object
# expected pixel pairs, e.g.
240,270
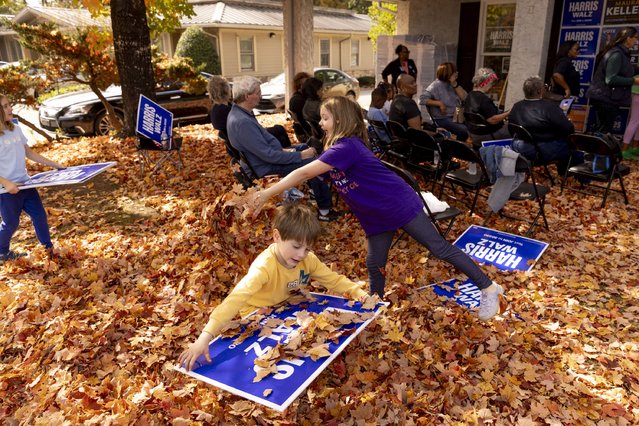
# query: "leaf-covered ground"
92,337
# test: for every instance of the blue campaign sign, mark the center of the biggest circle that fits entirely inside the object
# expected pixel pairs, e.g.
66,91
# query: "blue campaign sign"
587,38
464,293
68,176
582,12
586,68
233,367
505,251
498,142
153,121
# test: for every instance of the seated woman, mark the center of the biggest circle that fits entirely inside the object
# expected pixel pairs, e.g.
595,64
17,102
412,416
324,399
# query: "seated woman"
442,96
312,91
546,123
296,103
220,95
479,103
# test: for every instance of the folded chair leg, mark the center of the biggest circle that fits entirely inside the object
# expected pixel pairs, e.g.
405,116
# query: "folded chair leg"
623,189
399,237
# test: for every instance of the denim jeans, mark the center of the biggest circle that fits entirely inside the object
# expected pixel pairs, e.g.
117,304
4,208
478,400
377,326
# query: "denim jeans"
11,206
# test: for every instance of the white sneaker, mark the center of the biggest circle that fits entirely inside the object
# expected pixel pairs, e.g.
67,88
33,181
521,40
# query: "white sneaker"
489,305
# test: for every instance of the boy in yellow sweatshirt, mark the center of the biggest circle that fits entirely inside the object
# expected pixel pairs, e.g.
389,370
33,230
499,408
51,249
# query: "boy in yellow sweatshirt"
284,266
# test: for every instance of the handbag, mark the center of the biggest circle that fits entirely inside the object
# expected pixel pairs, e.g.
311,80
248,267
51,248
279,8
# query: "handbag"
458,115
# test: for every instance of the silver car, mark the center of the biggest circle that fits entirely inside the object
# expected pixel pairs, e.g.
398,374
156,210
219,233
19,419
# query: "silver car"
336,83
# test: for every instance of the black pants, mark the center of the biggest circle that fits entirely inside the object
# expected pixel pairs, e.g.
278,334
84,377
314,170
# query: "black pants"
605,116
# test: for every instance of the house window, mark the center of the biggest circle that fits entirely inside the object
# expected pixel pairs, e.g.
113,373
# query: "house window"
325,53
247,54
354,53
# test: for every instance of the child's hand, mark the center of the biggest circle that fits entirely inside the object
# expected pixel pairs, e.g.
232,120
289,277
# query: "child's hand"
188,358
256,202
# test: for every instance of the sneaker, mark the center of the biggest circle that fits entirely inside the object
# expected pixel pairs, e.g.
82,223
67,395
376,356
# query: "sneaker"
11,255
489,305
331,216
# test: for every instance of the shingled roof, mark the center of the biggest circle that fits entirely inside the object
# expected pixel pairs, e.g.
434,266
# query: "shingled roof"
269,15
62,16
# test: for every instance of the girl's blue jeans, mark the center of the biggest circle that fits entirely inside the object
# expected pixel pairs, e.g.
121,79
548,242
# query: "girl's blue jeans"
11,206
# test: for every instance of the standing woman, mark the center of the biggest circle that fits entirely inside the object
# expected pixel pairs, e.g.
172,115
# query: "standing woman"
614,76
565,77
442,97
13,152
402,65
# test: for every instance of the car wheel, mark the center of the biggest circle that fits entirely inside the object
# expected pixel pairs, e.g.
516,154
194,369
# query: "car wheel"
351,95
102,125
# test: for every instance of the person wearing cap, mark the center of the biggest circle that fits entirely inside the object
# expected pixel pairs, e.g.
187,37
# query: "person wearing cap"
478,102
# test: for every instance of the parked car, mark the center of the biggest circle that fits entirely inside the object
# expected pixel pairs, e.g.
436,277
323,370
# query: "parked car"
82,113
336,83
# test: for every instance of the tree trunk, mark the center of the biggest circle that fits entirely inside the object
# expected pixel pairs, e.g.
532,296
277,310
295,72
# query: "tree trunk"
132,44
34,128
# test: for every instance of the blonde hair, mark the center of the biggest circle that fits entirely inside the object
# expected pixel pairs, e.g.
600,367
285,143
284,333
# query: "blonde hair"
297,222
348,120
4,122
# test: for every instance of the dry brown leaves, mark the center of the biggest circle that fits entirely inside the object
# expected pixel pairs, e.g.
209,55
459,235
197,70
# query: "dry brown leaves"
91,338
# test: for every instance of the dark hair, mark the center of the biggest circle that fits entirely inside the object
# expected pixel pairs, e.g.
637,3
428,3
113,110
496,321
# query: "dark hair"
399,48
622,35
299,79
311,88
565,47
378,95
298,222
445,71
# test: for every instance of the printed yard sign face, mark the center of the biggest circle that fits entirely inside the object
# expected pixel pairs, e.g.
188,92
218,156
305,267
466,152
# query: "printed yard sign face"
233,368
498,142
69,176
507,252
465,293
153,121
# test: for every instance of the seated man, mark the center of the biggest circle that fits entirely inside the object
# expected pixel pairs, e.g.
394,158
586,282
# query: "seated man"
404,110
263,150
546,123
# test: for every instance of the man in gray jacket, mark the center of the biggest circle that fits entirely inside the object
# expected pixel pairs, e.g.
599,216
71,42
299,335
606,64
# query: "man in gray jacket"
263,151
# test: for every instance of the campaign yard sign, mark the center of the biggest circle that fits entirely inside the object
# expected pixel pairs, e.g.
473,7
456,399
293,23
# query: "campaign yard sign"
154,122
505,251
498,142
233,368
464,293
69,176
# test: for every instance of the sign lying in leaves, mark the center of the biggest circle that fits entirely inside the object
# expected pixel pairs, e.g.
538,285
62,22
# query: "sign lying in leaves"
507,252
464,293
69,176
276,354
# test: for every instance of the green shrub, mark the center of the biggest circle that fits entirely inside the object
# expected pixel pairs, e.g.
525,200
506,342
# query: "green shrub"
366,81
195,44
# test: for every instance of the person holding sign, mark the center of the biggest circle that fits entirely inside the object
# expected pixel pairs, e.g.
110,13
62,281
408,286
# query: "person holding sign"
286,265
13,152
380,199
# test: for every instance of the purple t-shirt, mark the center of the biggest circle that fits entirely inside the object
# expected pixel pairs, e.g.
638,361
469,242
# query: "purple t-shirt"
380,199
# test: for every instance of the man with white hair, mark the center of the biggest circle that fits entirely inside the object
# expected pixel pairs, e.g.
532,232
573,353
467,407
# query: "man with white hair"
263,151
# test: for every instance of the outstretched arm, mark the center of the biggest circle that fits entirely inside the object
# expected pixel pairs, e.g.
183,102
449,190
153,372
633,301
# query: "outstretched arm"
34,156
296,177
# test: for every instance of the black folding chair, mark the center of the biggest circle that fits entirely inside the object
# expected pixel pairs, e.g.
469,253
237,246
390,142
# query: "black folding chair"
239,173
529,190
302,133
476,123
610,153
426,157
153,157
463,177
382,133
520,132
399,150
450,214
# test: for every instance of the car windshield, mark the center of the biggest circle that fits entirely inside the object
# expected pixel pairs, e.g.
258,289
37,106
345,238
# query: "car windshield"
278,79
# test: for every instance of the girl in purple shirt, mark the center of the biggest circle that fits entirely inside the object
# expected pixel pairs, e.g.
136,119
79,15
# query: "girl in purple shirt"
379,198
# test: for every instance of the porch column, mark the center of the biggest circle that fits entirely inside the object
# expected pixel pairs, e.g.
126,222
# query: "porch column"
298,40
533,20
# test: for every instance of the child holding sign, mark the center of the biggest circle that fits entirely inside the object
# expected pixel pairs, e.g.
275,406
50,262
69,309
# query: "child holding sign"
13,171
285,265
380,199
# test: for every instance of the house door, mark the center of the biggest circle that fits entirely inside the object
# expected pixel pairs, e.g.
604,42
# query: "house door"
467,48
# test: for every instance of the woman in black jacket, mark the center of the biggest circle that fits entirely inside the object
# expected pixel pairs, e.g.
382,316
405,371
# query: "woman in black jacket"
565,77
614,76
